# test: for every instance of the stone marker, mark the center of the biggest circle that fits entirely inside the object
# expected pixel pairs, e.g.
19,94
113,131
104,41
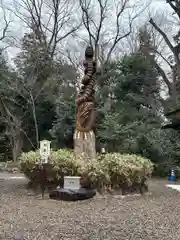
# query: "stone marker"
72,182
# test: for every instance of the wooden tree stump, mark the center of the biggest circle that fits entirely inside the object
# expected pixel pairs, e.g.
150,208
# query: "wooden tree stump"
84,145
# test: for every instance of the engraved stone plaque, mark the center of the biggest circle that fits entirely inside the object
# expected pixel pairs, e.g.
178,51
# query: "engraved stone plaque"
72,182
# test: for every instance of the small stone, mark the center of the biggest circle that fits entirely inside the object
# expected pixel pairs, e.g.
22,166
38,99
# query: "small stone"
15,170
19,236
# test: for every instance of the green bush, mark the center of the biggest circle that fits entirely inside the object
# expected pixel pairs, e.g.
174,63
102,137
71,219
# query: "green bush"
109,169
163,170
2,166
126,169
61,163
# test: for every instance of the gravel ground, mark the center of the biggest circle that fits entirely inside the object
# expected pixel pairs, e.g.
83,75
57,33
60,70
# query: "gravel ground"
153,216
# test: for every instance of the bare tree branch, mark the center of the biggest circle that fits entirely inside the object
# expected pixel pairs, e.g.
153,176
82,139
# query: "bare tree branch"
7,23
166,39
86,19
175,50
165,60
175,7
149,49
94,27
52,21
98,21
163,74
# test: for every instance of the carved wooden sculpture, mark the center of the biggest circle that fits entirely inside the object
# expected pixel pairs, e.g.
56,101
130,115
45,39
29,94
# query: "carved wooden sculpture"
85,110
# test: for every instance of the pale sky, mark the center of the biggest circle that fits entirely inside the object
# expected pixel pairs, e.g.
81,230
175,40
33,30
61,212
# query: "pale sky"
157,8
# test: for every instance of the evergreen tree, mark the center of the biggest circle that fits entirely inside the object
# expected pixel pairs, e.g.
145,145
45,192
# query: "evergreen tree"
134,112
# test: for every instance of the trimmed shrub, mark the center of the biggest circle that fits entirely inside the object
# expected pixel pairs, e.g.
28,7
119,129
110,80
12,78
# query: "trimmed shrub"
126,170
114,169
94,174
61,163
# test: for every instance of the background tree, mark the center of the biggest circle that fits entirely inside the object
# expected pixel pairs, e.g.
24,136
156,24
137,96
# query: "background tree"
172,59
133,106
52,21
104,32
38,86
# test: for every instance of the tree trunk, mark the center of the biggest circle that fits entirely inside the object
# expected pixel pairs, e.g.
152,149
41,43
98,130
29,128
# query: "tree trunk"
84,145
35,120
17,147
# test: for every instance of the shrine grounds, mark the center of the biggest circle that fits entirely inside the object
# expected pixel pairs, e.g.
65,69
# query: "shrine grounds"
152,216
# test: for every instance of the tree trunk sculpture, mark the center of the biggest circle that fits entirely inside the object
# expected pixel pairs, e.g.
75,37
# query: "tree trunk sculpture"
84,138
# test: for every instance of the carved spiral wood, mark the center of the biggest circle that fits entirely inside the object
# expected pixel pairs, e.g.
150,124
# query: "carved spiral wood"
85,104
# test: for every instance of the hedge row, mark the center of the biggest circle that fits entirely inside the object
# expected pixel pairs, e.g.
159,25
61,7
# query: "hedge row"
110,169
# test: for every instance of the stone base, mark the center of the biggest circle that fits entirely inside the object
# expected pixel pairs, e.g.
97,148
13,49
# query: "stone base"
72,195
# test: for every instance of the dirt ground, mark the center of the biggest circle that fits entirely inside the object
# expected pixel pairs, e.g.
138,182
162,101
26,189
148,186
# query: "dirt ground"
152,216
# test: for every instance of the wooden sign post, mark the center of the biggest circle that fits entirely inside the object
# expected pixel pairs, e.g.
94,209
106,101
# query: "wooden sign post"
44,151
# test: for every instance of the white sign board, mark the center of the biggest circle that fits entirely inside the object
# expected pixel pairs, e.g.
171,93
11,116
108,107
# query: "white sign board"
44,151
103,150
72,182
